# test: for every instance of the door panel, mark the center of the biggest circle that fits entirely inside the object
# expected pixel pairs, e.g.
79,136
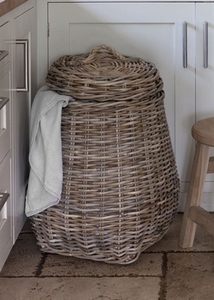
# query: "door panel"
6,228
205,79
152,31
5,112
24,27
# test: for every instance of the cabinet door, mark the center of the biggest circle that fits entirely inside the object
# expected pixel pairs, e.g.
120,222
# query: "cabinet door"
6,207
5,112
6,228
153,31
24,31
205,79
5,86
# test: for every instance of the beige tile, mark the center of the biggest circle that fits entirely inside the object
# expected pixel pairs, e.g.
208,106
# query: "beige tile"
203,241
24,257
147,264
190,276
79,288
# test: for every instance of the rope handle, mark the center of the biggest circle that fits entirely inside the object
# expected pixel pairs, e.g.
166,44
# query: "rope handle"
95,50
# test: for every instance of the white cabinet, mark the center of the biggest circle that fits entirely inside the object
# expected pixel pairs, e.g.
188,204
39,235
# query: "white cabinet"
205,79
6,217
153,31
6,204
17,29
24,72
156,32
205,60
5,111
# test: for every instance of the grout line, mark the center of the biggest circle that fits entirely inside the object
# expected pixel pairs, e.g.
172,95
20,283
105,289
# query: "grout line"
40,266
162,292
100,276
83,276
179,251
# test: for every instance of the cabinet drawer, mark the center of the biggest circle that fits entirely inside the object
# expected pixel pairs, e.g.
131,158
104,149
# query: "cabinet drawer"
5,112
6,240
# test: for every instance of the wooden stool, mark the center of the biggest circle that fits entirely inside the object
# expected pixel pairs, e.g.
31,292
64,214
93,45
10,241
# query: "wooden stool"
203,133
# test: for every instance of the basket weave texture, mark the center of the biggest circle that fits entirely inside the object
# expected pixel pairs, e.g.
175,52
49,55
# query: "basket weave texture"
120,182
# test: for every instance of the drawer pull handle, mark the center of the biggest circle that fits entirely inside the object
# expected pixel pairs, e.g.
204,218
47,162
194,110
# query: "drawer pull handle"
3,101
184,25
24,42
205,45
3,54
3,199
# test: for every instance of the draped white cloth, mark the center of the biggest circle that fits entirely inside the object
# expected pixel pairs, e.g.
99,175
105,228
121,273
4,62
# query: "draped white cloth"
45,157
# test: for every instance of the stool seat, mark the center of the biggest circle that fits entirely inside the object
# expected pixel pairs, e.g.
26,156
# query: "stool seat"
203,131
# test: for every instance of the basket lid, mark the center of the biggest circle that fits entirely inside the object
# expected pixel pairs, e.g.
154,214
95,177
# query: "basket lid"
104,75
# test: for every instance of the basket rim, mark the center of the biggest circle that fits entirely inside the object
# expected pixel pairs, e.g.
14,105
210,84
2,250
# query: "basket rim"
103,74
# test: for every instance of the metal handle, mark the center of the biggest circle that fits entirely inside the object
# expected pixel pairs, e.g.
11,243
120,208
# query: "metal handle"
205,45
184,27
25,43
3,101
3,199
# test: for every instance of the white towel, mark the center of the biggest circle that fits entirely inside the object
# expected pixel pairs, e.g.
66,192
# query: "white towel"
45,157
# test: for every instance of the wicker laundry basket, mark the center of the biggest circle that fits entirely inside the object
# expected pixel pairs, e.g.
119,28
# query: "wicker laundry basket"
120,182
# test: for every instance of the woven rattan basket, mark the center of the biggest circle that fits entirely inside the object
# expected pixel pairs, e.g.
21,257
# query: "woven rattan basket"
120,181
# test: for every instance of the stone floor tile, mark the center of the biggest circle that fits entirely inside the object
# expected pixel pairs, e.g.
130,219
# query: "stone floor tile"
24,257
190,276
79,288
203,240
148,264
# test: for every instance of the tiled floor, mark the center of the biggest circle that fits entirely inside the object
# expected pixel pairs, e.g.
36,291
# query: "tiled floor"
163,272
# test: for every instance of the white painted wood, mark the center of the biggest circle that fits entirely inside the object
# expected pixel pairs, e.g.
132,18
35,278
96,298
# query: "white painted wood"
5,113
147,30
205,76
17,24
24,27
204,89
6,219
42,41
115,1
191,100
4,35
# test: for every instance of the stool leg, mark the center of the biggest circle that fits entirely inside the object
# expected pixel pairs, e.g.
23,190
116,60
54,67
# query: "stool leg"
199,171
